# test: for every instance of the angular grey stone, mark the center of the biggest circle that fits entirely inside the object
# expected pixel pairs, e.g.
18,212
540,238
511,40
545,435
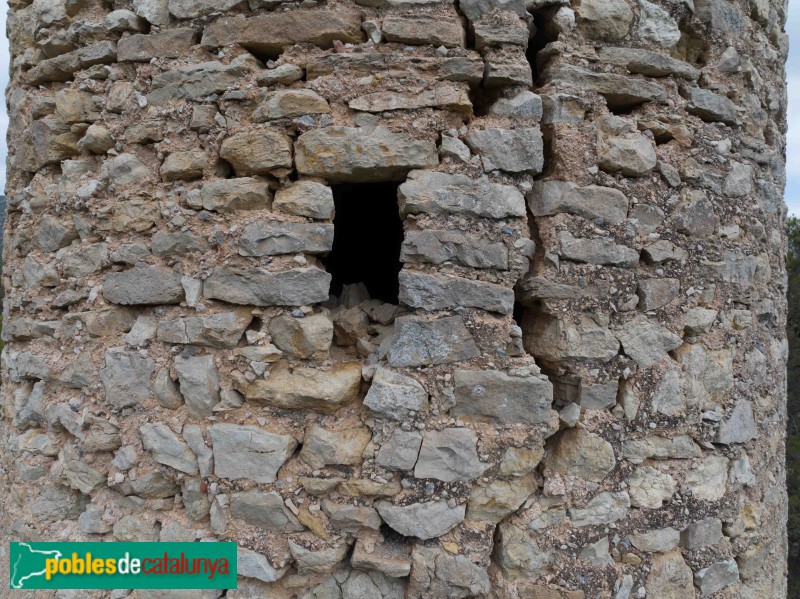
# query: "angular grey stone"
193,435
597,553
400,450
502,399
695,214
604,508
716,577
605,20
170,245
442,574
591,202
126,169
660,448
663,251
701,533
190,9
29,406
668,398
250,564
351,518
63,67
166,390
305,198
579,453
183,166
247,452
54,234
709,106
619,91
660,541
265,510
167,448
283,73
449,455
452,147
126,377
709,375
649,488
651,64
393,395
740,427
631,154
194,81
144,286
420,342
512,150
319,561
669,577
442,292
519,555
421,520
369,585
421,29
199,383
244,193
656,25
499,499
599,396
457,247
270,238
171,43
474,9
599,251
222,330
709,480
552,338
259,287
304,338
657,293
348,154
76,472
287,103
647,342
524,104
440,193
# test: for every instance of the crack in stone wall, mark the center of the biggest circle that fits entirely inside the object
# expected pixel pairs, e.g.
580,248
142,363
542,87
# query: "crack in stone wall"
175,368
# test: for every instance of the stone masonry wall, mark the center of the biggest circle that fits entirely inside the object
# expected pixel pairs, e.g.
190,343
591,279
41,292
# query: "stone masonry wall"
580,391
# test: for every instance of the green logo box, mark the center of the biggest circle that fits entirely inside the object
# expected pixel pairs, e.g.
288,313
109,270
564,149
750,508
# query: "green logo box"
123,565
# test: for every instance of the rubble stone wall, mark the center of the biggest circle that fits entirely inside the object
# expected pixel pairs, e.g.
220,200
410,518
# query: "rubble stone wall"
580,391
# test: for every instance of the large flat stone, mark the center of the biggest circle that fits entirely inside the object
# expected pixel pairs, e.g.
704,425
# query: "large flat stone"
421,520
143,285
441,193
272,238
449,455
259,287
357,155
512,150
419,342
591,202
222,330
442,292
502,399
248,452
457,247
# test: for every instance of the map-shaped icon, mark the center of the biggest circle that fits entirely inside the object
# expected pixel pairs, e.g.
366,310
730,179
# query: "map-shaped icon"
29,563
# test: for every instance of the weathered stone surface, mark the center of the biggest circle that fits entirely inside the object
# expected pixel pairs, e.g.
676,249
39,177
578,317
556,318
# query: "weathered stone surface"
349,154
657,293
305,198
607,21
390,557
436,292
167,448
597,251
519,461
663,251
577,452
259,287
502,399
393,395
650,488
287,103
668,398
224,195
257,151
199,383
143,285
652,64
656,25
708,374
740,427
499,499
631,154
271,238
222,330
322,561
457,247
195,81
660,448
670,577
716,577
456,68
265,510
47,141
449,455
322,447
269,33
126,377
304,388
254,565
512,150
423,29
171,43
419,342
248,452
647,342
351,518
450,97
602,509
440,193
552,338
421,520
591,202
308,337
708,482
442,574
183,166
190,9
400,450
524,104
618,90
63,67
661,540
701,533
709,106
519,555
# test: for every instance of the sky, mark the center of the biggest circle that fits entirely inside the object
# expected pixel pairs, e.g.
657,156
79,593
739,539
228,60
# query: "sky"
792,78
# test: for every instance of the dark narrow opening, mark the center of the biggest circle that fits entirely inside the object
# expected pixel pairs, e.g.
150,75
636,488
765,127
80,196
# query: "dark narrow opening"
543,33
368,232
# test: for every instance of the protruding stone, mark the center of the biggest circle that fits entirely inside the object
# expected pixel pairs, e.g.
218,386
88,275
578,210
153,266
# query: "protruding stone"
272,238
419,342
248,452
502,399
650,488
143,285
647,342
421,520
512,150
400,450
199,383
167,448
669,577
304,338
393,395
259,287
305,198
605,508
126,377
257,151
577,452
716,577
591,202
322,447
443,292
449,455
265,510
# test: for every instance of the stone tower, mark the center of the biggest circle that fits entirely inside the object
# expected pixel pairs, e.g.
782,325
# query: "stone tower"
408,298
